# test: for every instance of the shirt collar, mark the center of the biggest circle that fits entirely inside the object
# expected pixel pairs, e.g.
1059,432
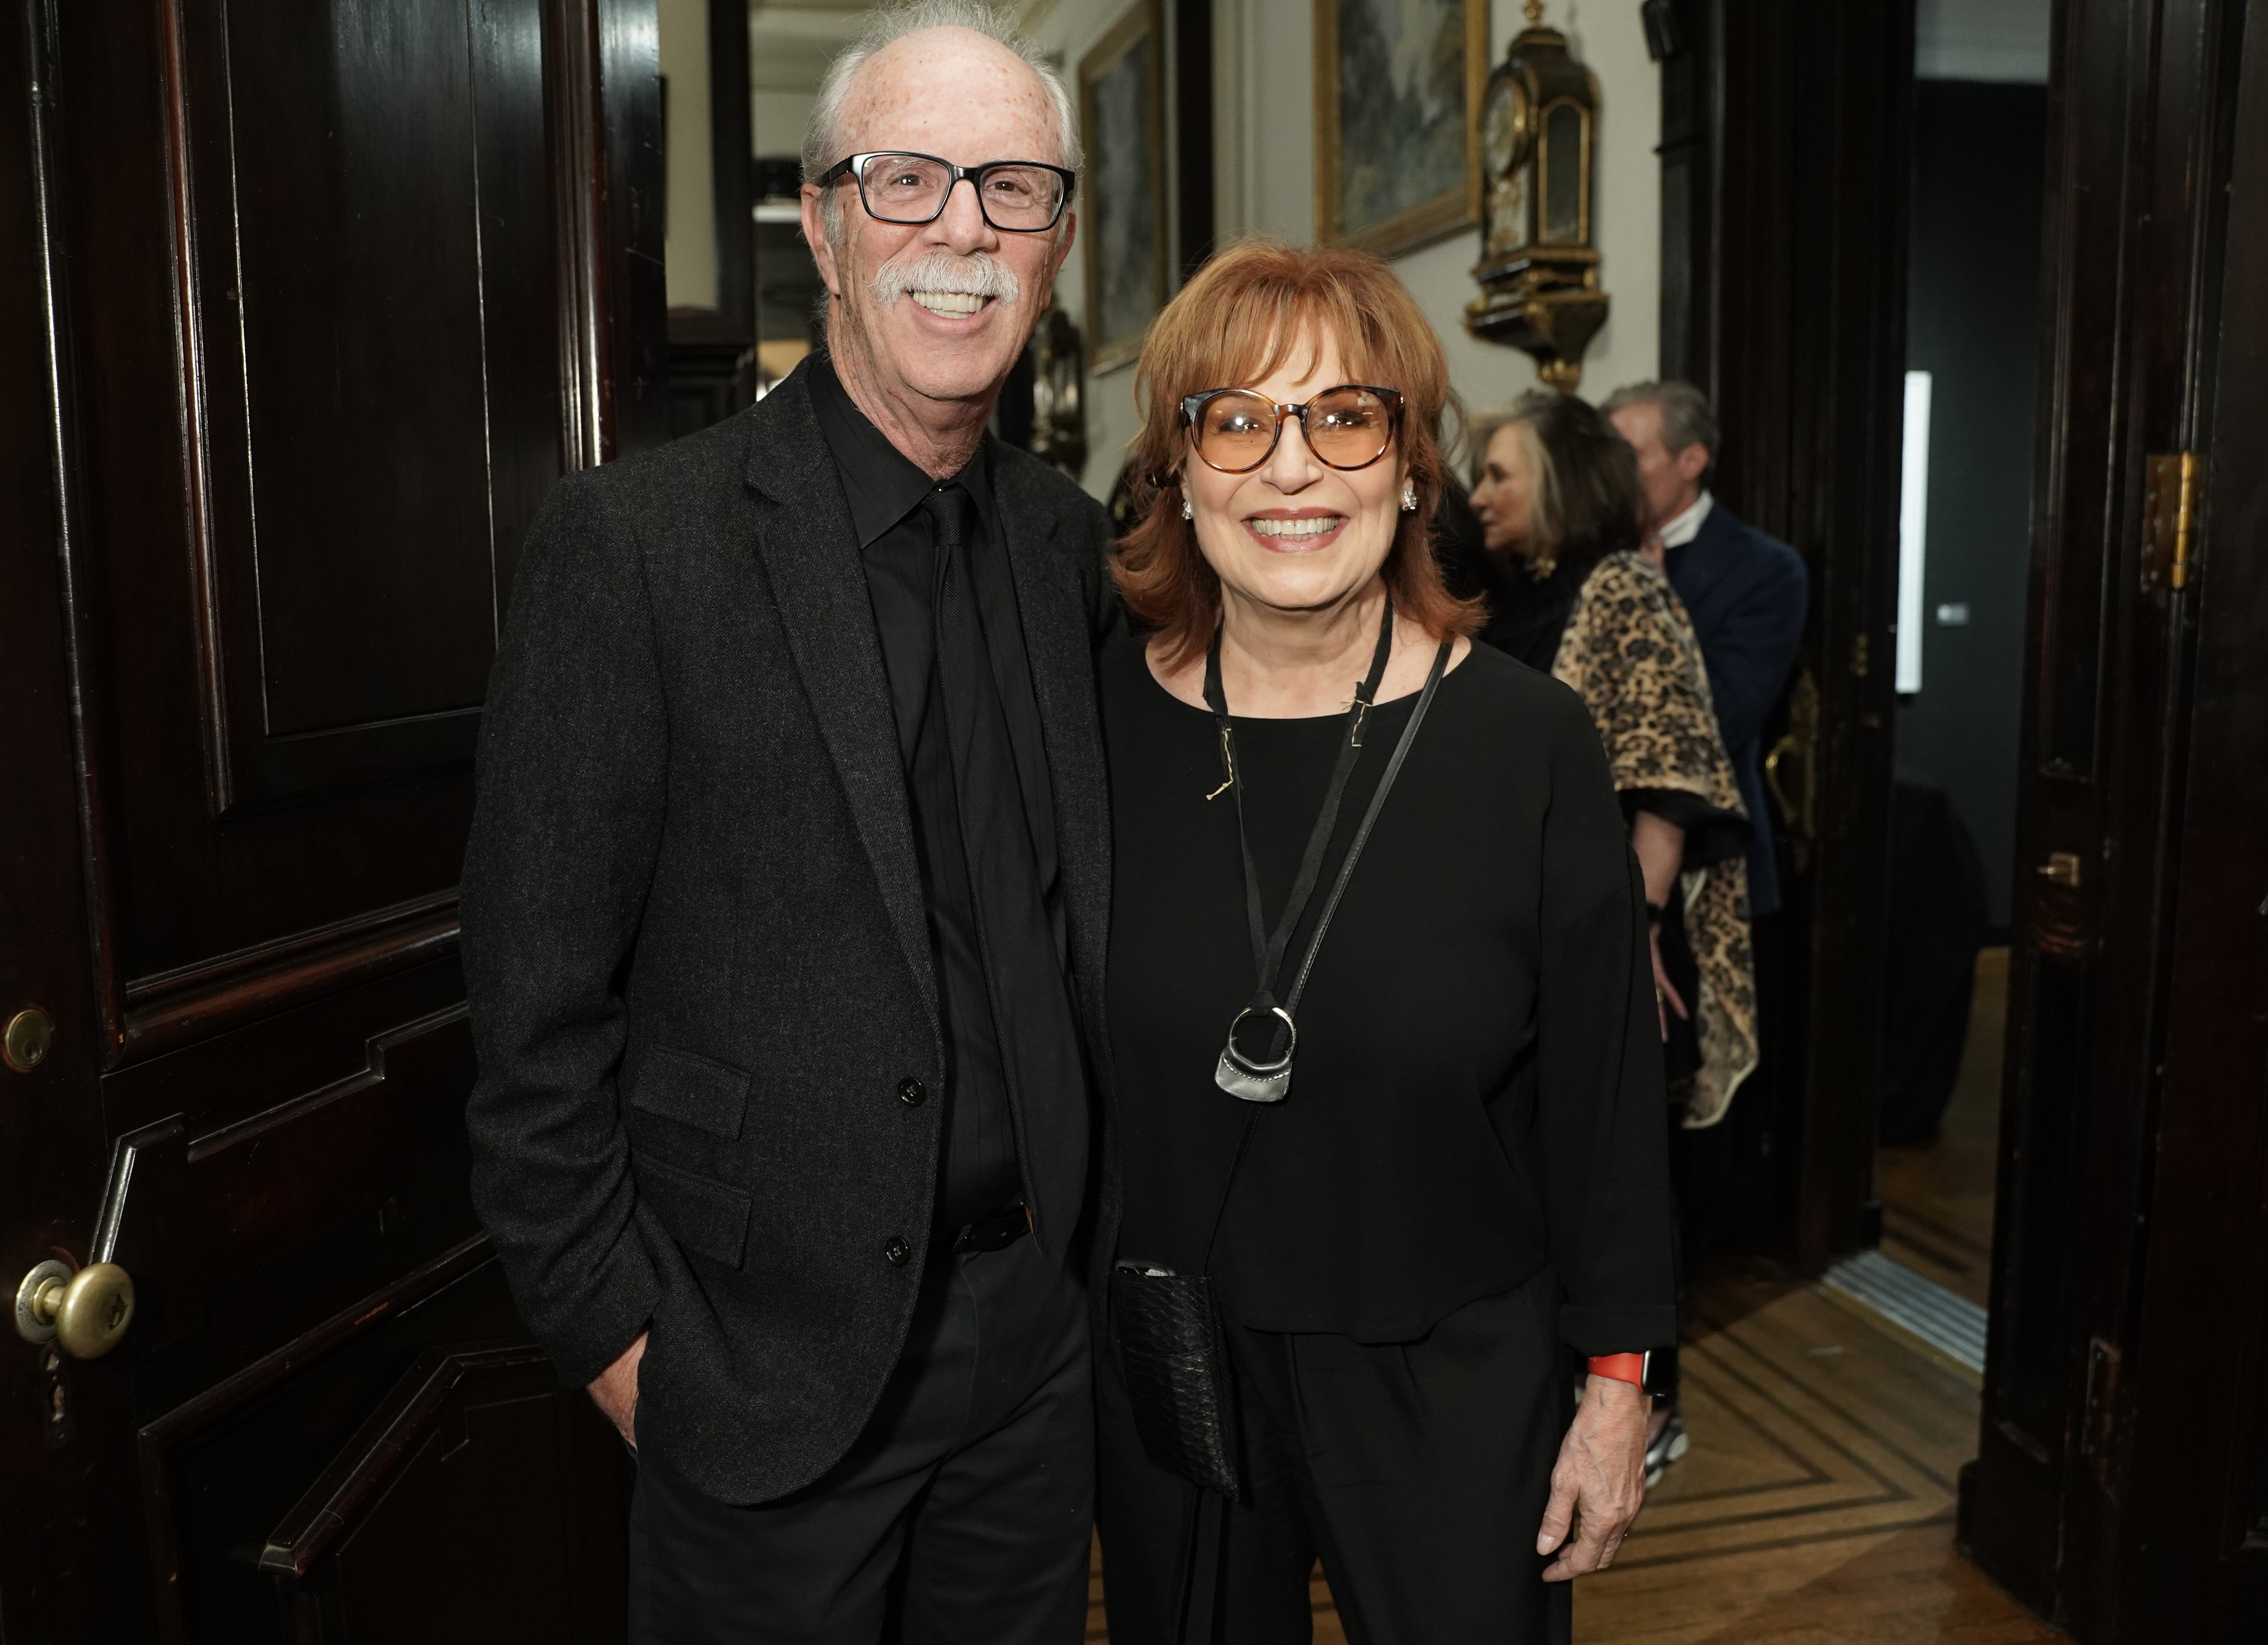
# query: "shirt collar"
883,483
1687,526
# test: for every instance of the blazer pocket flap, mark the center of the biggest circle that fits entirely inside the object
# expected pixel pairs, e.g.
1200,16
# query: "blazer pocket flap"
701,1215
693,1091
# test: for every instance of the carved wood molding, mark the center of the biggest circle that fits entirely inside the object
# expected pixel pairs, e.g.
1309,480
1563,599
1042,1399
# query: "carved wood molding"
356,1482
171,1009
157,1439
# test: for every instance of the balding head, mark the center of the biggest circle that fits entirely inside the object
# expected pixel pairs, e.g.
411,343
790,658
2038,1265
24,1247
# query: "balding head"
826,135
925,320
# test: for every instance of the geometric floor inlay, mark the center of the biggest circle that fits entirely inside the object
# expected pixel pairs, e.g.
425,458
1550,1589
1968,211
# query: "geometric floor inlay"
1816,1505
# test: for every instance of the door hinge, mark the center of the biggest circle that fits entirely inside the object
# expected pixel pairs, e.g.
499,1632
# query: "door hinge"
2169,513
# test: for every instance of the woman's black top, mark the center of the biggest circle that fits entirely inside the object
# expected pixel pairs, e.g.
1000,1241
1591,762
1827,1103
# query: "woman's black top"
1479,1087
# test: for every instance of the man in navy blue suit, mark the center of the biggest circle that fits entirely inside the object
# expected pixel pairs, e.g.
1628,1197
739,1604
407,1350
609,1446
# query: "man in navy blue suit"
1747,592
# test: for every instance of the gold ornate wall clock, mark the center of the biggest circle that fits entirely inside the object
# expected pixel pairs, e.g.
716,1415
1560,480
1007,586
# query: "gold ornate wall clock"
1539,269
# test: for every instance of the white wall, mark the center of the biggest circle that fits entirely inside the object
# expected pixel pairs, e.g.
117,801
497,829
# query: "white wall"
689,248
779,120
1264,180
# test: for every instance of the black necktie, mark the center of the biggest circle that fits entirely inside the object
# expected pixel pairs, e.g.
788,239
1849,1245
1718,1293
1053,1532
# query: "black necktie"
1031,1005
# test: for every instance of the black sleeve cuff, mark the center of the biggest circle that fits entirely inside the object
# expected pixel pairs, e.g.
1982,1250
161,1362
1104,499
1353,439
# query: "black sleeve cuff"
1712,835
1630,1328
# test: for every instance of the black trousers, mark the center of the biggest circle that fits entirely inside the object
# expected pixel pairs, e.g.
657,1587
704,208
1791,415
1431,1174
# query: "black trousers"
1703,1165
1418,1471
961,1517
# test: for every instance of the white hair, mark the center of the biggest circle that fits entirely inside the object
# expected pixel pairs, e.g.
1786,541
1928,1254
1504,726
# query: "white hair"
822,140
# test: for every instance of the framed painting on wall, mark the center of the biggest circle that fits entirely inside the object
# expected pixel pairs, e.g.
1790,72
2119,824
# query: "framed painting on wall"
1398,88
1123,211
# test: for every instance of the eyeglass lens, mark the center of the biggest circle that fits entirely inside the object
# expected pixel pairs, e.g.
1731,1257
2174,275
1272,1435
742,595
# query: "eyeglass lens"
1346,428
911,188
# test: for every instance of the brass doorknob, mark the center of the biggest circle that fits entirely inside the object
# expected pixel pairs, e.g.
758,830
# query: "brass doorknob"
24,1043
84,1314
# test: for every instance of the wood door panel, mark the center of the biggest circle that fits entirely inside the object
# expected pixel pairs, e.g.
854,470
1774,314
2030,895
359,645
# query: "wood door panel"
2027,1350
354,244
194,1002
344,225
283,1171
225,1471
2079,478
313,303
469,1438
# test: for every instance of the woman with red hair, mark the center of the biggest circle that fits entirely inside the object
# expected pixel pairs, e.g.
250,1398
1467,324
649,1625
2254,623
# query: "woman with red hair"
1373,882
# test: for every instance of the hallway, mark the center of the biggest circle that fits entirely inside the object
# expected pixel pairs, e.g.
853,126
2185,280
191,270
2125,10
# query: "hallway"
1816,1505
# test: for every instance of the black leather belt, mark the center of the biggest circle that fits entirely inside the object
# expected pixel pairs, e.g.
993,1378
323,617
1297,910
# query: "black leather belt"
993,1233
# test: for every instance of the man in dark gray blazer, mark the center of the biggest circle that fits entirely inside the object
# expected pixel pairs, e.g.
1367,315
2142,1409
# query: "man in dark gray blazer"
785,917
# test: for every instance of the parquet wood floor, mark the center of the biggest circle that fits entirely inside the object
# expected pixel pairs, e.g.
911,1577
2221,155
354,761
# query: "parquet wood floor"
1816,1507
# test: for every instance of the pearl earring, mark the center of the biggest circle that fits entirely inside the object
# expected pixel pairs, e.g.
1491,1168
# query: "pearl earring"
1188,513
1410,497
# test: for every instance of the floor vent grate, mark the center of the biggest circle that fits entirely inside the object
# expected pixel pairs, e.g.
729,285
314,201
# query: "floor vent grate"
1953,1325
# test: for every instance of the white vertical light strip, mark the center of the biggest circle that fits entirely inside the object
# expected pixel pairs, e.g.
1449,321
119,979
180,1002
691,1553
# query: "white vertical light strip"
1913,529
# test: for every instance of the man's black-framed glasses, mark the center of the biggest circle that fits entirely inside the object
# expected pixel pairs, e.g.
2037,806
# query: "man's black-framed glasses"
1235,429
1018,196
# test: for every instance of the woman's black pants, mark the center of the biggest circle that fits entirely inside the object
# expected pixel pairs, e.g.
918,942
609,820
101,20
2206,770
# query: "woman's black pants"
1418,1471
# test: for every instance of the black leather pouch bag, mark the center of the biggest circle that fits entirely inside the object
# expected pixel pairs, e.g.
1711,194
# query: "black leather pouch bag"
1173,1356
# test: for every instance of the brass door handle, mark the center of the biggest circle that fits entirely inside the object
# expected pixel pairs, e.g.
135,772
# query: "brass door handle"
1802,741
84,1314
1798,816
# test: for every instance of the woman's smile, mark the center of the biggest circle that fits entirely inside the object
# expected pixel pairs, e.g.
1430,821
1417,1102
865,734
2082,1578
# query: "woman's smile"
1295,531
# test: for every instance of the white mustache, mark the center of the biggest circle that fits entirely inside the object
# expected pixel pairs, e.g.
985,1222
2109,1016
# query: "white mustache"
978,274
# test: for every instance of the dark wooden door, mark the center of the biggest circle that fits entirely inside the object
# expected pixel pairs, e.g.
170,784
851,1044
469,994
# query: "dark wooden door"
302,308
2122,1484
1785,138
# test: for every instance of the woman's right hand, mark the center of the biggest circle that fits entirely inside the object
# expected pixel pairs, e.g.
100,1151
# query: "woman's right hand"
1666,997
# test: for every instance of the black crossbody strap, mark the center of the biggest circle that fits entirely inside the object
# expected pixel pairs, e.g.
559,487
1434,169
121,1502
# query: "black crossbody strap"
1370,816
1268,948
1338,889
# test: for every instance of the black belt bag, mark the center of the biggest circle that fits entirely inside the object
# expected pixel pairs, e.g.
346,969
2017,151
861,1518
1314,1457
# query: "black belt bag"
1166,1326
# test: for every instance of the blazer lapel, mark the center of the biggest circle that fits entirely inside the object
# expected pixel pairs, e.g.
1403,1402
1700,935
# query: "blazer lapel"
810,555
1061,654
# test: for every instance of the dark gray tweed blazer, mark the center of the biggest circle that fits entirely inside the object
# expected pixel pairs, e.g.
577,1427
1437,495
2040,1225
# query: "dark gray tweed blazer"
694,936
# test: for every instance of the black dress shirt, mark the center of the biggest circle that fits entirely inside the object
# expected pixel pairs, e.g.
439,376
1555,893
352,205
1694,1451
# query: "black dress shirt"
981,1173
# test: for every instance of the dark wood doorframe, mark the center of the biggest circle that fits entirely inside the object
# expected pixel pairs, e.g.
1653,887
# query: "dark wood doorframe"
731,162
2199,1561
1786,136
2109,1491
1196,226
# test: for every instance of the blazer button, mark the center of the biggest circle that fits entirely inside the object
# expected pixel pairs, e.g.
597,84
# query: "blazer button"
912,1092
897,1251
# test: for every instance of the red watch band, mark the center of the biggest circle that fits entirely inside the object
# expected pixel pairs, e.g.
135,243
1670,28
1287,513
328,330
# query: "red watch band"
1630,1368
